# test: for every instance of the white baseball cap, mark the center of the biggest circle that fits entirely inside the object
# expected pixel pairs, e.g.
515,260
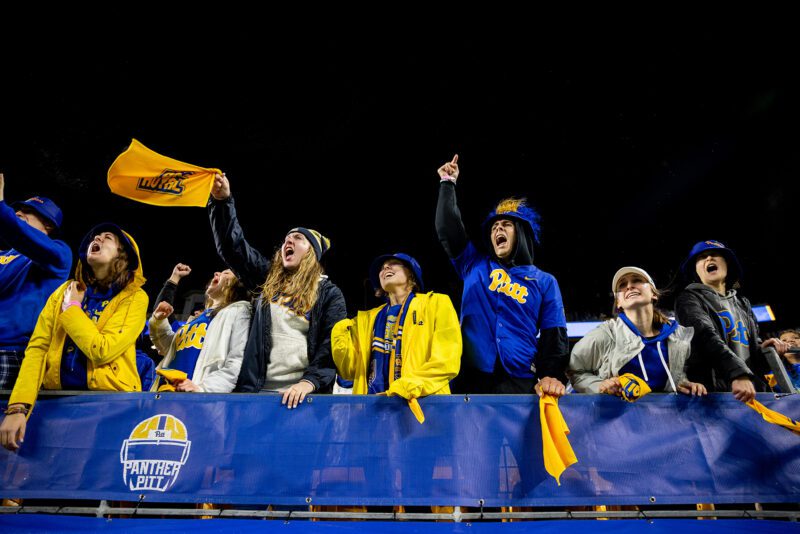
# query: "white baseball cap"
628,270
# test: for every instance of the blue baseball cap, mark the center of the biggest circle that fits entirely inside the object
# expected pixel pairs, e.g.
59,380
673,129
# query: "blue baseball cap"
734,267
44,207
407,260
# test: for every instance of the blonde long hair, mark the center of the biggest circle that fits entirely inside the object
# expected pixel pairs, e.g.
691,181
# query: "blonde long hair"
299,287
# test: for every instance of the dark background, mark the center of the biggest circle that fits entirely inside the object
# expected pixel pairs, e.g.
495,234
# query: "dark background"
633,144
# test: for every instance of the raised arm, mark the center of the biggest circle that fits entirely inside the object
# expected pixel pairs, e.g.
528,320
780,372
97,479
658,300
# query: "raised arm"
170,288
161,333
248,263
49,254
449,225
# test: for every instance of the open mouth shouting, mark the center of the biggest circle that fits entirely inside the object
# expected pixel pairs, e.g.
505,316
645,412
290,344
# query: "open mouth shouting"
711,267
288,252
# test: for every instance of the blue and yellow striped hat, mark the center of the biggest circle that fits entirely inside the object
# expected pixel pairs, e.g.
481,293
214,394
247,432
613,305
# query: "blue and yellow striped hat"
319,242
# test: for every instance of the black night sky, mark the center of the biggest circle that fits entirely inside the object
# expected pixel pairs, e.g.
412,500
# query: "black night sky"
632,144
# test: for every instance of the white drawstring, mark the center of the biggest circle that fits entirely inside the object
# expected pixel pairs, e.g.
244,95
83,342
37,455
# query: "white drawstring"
644,371
666,367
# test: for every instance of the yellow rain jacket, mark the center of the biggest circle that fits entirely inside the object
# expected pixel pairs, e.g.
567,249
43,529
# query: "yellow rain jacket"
109,344
431,348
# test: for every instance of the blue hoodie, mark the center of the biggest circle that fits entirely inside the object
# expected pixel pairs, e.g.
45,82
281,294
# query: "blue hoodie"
648,365
32,266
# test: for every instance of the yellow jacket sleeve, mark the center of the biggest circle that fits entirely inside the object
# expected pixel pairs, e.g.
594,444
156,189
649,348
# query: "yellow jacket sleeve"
34,363
344,345
117,335
444,360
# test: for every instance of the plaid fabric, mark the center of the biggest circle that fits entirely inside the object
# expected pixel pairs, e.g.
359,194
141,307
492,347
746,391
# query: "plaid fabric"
10,362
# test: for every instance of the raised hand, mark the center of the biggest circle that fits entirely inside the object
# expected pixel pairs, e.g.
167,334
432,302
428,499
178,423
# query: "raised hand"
163,310
178,272
221,188
449,170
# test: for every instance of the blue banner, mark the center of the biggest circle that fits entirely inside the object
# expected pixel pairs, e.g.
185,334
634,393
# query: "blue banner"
663,449
28,523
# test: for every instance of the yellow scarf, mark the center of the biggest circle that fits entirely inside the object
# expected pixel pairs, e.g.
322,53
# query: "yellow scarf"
558,453
776,418
145,176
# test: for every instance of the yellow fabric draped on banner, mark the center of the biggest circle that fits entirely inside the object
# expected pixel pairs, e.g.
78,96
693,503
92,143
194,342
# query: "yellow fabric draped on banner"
558,453
146,176
776,418
413,405
633,387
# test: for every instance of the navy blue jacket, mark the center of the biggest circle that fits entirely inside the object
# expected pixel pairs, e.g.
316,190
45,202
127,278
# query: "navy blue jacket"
251,268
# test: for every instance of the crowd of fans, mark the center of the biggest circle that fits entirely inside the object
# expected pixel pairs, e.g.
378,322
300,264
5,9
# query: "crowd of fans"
276,323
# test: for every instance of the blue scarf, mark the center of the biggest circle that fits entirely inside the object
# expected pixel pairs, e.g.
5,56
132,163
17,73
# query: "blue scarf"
386,356
73,361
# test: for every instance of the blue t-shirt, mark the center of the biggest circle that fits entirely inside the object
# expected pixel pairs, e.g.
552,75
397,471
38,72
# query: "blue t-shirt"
503,310
189,341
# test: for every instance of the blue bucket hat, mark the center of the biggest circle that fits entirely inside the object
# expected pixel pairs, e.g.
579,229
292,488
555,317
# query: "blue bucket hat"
734,267
133,257
44,207
407,260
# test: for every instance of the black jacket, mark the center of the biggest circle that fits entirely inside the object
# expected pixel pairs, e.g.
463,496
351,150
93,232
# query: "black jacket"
712,362
251,268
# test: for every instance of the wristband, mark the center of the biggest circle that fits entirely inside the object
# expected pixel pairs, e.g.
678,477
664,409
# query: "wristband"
16,409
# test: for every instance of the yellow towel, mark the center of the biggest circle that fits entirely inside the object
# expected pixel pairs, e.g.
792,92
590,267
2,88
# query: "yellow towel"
776,418
558,453
172,376
413,405
145,176
416,409
633,387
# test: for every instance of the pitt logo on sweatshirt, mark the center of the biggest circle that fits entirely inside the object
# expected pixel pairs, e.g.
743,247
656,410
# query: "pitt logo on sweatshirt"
5,260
